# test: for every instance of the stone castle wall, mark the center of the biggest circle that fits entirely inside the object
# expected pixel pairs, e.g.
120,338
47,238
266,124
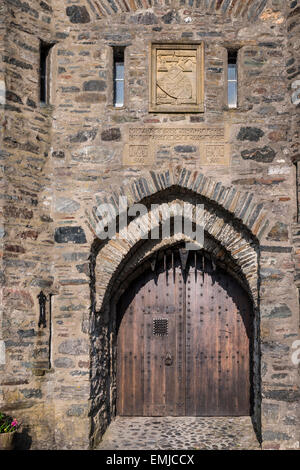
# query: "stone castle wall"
61,160
27,242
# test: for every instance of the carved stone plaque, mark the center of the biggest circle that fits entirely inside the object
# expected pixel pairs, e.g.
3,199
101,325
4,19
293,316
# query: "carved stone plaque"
176,78
214,155
210,145
137,155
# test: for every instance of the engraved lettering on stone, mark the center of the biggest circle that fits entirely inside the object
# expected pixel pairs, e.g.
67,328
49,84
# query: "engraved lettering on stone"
214,154
138,154
143,143
179,134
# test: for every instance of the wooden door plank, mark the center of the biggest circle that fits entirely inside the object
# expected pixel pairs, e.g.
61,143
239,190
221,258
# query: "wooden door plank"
146,385
218,359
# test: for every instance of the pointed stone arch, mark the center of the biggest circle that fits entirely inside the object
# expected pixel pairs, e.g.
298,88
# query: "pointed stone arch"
100,9
233,222
230,242
241,206
234,219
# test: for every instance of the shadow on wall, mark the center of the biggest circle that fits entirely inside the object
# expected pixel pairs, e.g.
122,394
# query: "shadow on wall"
22,440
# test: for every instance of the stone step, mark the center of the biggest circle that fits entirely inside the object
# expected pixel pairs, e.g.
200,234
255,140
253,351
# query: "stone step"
180,433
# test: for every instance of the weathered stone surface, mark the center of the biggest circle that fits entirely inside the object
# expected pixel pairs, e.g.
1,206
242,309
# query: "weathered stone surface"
17,63
252,134
274,346
144,18
31,103
171,17
275,436
185,149
74,347
31,393
73,392
46,7
66,205
69,234
63,158
83,268
78,14
75,257
91,98
279,232
111,134
281,311
84,136
58,154
70,89
277,136
94,85
77,411
11,96
26,333
289,396
64,362
264,155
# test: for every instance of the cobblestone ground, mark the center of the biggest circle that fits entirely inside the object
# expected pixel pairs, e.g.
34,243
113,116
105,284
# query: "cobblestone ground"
188,433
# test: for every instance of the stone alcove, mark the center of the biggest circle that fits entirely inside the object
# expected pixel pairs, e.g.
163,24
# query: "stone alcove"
114,263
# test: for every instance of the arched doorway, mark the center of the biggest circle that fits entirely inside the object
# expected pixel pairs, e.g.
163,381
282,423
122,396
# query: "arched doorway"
184,340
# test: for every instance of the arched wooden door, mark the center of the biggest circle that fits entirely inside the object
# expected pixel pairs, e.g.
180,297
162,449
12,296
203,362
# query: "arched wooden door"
184,341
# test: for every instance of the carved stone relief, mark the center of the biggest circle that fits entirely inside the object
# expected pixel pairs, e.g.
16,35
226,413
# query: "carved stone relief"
142,143
176,78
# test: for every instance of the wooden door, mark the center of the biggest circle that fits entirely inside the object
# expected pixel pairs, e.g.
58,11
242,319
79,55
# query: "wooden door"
151,349
183,342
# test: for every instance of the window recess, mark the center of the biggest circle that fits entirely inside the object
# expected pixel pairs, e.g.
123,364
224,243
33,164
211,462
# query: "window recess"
118,60
45,72
232,79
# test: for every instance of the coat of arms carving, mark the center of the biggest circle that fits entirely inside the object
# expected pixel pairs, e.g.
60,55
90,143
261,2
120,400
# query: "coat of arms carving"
176,79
